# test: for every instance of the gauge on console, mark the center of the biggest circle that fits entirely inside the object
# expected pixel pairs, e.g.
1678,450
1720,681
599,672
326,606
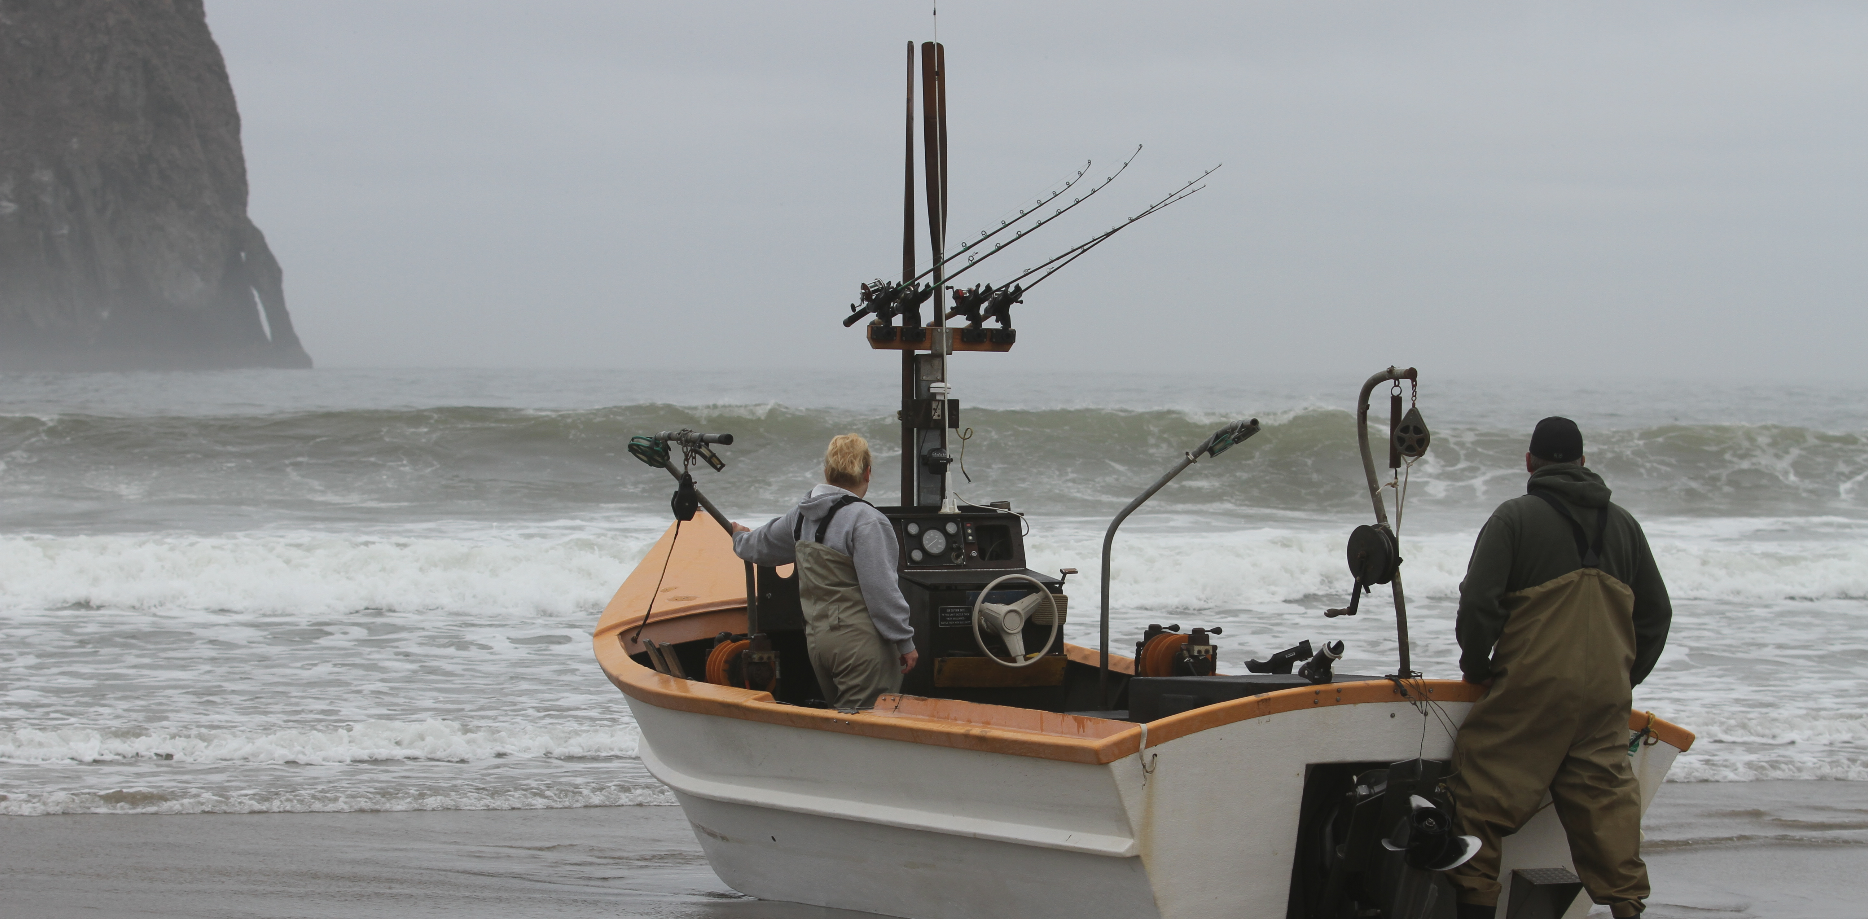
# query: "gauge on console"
934,541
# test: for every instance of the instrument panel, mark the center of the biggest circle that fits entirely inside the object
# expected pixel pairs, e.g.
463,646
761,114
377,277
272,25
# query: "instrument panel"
965,540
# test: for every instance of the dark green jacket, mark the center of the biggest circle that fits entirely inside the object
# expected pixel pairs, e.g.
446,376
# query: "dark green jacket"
1526,543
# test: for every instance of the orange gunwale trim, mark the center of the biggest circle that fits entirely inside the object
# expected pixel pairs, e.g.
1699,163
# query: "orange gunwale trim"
994,735
704,585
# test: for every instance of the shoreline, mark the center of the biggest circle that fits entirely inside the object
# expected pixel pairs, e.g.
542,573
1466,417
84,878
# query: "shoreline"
1716,850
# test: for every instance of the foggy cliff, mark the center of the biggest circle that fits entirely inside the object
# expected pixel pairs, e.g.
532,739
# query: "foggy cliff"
124,238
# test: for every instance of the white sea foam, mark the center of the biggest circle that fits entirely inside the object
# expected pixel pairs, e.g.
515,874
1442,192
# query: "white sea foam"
321,574
1184,570
1753,745
316,573
335,799
365,742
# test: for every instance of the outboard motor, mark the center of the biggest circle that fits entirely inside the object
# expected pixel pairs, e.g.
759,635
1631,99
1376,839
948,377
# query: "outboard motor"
1378,849
1426,841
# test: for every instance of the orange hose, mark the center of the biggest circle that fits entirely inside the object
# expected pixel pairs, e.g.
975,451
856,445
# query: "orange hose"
1157,656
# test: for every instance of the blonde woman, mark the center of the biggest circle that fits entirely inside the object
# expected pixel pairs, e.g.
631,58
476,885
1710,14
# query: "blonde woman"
855,617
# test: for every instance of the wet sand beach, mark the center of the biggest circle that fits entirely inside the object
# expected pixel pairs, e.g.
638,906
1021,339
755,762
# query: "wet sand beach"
1717,850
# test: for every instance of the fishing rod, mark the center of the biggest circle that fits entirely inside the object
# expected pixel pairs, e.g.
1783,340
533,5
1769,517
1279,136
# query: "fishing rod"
984,302
1181,195
1022,214
975,260
886,301
1156,206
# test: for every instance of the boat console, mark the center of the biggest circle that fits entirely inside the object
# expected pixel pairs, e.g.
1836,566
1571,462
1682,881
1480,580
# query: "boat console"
947,561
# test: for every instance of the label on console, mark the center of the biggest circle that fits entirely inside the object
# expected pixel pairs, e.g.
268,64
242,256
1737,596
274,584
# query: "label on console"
954,617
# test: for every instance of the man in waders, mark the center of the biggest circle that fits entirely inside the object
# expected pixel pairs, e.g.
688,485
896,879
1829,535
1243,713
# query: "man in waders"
1561,614
855,617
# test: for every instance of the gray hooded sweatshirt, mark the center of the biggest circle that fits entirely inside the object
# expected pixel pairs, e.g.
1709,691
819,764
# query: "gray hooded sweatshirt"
858,531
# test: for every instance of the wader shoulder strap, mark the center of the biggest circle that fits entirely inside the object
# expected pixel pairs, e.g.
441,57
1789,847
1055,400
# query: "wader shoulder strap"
1591,555
823,526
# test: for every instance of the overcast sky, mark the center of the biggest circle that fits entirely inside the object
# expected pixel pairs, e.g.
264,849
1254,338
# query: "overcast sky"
1616,189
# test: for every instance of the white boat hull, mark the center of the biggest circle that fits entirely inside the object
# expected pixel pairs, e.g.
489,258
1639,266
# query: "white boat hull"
926,831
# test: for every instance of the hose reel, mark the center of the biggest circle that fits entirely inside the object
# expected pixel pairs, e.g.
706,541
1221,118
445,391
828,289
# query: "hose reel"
746,662
1166,652
1372,560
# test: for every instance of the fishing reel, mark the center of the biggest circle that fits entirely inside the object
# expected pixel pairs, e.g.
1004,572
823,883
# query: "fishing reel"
1166,652
999,305
886,301
982,302
968,303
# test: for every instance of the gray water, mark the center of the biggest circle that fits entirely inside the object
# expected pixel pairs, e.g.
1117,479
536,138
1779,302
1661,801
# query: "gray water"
369,590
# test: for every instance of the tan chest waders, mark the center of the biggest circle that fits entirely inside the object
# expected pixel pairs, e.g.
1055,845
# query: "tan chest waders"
853,663
1556,720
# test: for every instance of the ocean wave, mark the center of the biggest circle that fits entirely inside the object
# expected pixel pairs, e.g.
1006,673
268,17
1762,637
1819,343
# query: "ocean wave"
317,574
507,463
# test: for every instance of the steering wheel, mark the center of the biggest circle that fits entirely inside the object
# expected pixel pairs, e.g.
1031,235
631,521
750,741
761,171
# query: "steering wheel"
1008,621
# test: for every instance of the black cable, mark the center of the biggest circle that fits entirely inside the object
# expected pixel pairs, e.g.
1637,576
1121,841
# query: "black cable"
658,582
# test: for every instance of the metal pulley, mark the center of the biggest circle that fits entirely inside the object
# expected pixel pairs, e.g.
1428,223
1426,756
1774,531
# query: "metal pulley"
686,500
1411,436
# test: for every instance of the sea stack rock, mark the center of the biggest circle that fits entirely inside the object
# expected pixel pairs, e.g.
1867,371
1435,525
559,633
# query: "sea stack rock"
124,238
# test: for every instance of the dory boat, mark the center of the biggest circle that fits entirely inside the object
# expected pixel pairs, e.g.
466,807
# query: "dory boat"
1062,781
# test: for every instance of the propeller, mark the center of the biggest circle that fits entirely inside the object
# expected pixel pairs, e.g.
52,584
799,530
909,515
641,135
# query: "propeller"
1426,836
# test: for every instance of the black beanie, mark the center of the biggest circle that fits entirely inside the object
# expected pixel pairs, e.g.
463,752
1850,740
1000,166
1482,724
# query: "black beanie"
1557,440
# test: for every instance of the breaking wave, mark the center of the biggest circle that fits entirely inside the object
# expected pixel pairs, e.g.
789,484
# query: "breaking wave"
489,463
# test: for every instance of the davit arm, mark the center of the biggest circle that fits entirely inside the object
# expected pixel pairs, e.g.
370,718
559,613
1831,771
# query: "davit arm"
1390,375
